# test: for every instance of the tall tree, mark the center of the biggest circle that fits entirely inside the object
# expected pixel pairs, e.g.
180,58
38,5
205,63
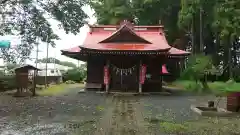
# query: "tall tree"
227,22
220,27
154,12
28,20
112,11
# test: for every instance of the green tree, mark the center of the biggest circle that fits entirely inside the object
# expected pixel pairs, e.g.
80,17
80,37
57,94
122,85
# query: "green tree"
112,11
198,67
28,19
75,74
227,23
155,12
220,28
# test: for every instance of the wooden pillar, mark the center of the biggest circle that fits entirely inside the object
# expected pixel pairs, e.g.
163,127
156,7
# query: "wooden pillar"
161,79
108,66
140,85
161,75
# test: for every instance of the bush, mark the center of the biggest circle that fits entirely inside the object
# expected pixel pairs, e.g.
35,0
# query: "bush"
230,81
75,75
198,68
7,83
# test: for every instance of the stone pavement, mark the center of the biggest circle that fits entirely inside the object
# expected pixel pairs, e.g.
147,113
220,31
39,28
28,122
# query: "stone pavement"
123,117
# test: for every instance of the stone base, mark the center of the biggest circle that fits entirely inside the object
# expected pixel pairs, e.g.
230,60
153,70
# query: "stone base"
82,91
213,112
135,93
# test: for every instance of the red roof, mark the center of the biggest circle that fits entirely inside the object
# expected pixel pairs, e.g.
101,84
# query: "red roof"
147,40
131,34
175,51
158,41
127,38
172,51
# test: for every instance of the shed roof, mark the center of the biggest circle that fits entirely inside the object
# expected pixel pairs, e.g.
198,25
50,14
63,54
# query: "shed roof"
27,67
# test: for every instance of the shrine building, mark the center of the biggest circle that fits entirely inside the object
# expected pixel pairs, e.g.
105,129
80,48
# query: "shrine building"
125,57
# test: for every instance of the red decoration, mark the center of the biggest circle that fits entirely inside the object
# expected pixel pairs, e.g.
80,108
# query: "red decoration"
164,69
143,74
106,75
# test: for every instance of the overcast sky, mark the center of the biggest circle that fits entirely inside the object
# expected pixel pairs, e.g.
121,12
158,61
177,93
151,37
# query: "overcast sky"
67,40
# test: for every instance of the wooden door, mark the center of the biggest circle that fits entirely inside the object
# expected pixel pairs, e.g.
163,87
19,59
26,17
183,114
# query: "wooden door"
124,73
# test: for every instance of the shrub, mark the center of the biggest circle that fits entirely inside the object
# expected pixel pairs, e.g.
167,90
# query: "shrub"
75,75
231,81
7,83
198,67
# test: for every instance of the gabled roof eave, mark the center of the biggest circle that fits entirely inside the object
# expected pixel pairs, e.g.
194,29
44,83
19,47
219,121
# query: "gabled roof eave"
121,28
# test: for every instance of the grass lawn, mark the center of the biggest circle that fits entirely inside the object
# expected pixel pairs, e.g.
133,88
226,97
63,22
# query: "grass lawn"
229,86
57,89
205,126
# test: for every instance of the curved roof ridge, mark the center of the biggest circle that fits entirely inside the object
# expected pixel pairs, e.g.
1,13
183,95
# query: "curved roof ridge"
175,51
116,33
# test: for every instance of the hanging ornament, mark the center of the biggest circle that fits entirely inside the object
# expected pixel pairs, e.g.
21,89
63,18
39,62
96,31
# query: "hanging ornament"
124,71
117,71
130,71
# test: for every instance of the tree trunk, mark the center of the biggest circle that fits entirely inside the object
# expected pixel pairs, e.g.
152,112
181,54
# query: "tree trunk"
201,45
230,58
216,50
204,83
196,34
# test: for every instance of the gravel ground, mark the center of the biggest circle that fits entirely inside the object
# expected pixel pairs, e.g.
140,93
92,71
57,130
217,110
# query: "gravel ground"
50,115
173,109
85,113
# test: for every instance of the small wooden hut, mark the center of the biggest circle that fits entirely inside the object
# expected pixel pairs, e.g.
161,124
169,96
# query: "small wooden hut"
22,77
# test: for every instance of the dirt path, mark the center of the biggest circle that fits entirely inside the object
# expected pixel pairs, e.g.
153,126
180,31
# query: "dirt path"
123,117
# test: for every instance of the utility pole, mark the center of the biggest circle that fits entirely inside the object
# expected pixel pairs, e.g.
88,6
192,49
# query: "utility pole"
201,30
35,71
54,60
37,50
46,82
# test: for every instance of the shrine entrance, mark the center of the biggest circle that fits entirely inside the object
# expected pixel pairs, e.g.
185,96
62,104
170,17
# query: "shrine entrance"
124,73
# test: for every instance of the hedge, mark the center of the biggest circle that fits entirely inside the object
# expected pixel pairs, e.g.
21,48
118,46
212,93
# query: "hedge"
74,75
7,83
